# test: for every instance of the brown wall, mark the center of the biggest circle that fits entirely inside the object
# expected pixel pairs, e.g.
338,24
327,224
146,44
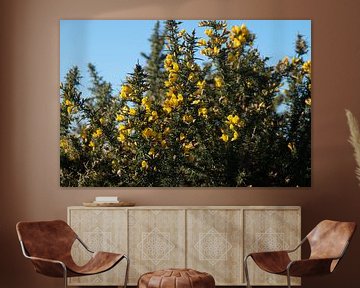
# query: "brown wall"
29,114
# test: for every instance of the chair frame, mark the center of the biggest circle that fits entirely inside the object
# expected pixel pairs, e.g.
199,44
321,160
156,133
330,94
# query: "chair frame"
246,270
26,255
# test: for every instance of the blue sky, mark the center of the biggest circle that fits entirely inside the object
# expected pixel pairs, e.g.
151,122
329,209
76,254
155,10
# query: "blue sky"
114,46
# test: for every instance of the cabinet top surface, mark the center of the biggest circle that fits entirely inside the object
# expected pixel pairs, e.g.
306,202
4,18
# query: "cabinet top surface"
192,207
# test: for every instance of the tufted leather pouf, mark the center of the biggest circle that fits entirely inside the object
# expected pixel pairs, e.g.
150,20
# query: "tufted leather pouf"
176,278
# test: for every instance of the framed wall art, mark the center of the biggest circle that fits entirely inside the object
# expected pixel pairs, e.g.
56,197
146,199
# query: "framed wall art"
213,103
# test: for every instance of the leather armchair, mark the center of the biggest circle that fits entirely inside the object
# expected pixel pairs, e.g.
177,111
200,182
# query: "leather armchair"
48,245
328,242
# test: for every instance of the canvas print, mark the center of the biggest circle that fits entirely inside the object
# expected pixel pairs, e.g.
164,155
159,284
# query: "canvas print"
176,103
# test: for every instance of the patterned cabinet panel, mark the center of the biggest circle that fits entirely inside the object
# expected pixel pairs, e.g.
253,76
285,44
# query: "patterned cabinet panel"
156,240
214,244
267,230
101,230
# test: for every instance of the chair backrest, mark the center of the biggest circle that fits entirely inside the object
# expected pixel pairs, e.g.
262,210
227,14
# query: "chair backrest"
329,239
46,239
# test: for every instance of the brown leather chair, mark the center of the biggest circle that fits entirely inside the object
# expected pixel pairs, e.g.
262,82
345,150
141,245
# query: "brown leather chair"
48,245
328,242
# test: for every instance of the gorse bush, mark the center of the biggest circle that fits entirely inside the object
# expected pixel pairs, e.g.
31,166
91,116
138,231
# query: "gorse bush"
227,118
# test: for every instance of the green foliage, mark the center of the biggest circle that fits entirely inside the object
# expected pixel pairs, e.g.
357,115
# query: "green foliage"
226,119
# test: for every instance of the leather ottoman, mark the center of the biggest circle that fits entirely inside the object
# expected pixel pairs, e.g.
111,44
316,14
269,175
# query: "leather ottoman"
176,278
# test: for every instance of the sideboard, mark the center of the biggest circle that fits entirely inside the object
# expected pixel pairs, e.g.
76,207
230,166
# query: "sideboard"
212,239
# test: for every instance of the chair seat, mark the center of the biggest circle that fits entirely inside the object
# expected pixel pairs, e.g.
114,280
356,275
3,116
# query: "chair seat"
272,262
99,262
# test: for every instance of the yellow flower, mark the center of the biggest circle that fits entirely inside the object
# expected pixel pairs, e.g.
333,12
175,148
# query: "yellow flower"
151,151
244,30
122,127
175,67
224,137
102,120
68,102
195,102
188,118
187,147
204,51
201,84
218,81
97,133
202,112
144,165
235,29
92,144
146,103
216,50
153,117
172,77
182,136
209,32
121,137
202,42
242,39
306,67
308,101
192,76
236,136
168,61
233,119
125,109
126,90
132,111
163,143
148,132
69,109
120,117
167,109
236,43
180,98
64,144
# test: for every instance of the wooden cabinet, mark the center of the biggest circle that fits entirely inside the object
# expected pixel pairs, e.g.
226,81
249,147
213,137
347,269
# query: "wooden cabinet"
211,239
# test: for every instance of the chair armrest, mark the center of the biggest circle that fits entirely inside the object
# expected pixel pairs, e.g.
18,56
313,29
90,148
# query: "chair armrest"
83,244
49,267
309,267
298,246
268,253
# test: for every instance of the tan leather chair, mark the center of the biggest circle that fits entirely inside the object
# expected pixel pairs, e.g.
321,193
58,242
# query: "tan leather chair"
48,245
328,242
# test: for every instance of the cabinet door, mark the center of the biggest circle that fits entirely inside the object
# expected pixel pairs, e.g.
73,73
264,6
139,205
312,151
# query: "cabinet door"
156,240
270,230
101,230
214,244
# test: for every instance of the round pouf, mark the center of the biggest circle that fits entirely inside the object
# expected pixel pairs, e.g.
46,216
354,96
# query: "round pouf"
176,278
